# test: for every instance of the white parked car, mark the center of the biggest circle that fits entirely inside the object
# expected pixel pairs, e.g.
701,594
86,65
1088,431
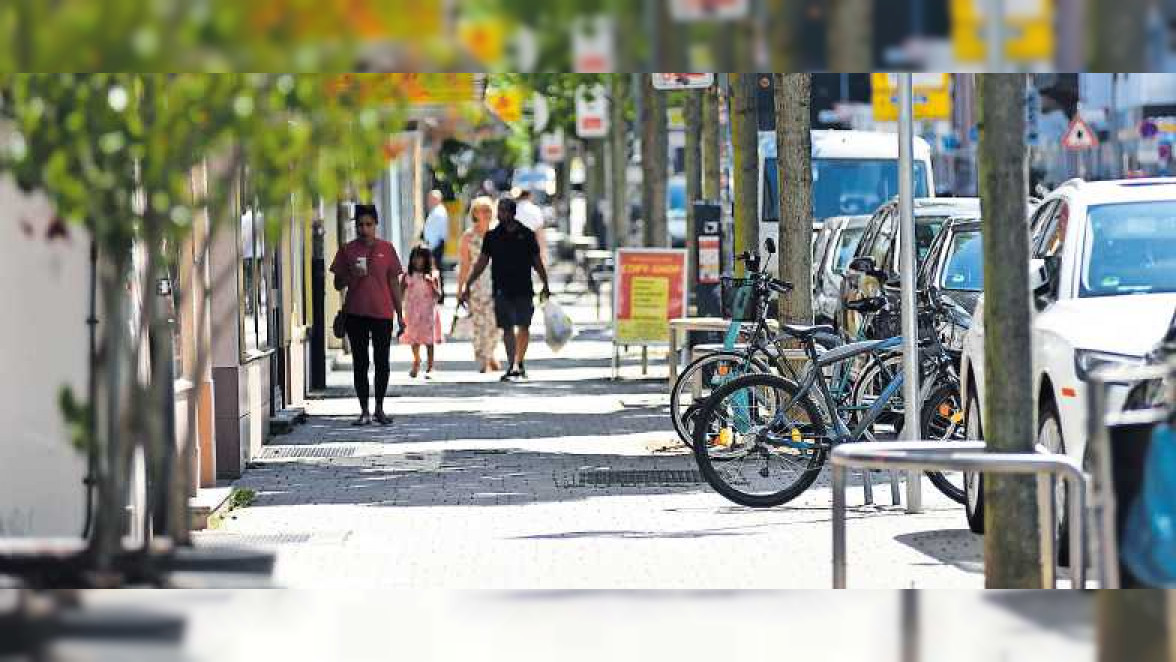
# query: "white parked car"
1103,269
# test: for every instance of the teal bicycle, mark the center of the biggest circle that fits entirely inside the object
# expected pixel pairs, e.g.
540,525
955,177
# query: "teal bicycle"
747,301
760,439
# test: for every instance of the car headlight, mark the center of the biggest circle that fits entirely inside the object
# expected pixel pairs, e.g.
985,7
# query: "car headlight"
1086,361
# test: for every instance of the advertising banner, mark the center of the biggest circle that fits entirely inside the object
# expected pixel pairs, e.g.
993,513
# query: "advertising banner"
650,291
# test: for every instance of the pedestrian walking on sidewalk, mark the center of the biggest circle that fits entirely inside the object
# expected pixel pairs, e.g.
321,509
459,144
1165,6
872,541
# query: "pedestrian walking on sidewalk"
510,249
531,216
369,269
481,294
422,314
435,232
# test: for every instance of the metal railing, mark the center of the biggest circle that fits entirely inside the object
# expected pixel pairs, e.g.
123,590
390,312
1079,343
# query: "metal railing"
957,456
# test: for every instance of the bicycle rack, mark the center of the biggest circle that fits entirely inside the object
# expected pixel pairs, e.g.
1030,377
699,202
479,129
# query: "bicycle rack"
957,456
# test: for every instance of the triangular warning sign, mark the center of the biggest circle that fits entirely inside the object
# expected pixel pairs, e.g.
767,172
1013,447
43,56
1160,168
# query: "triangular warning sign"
1079,136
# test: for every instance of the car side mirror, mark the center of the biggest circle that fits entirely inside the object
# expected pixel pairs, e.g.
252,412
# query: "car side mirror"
1038,276
1040,282
770,246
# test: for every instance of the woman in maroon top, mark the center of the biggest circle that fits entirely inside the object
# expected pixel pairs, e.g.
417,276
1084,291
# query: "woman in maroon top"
369,269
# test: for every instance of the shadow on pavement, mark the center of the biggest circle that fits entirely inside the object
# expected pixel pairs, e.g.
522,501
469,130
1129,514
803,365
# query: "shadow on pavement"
494,389
1070,613
450,478
468,426
958,548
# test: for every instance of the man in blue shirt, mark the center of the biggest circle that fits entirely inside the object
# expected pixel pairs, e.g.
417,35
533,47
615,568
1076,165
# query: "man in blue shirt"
435,232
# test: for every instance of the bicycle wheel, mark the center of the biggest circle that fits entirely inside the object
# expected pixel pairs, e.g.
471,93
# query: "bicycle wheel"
868,387
699,379
757,444
943,420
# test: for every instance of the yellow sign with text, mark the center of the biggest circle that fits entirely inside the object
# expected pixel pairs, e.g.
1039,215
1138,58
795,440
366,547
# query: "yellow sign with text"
1028,28
650,291
932,96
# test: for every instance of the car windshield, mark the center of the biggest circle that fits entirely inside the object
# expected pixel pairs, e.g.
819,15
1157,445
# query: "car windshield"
965,263
844,187
846,244
926,229
1131,249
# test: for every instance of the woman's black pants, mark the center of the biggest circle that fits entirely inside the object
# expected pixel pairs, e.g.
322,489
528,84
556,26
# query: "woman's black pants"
361,330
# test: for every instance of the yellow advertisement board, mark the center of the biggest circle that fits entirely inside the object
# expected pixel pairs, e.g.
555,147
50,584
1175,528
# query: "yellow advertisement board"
931,91
1028,28
650,291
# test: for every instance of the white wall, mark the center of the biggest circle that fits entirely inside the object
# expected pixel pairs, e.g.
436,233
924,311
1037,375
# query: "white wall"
43,346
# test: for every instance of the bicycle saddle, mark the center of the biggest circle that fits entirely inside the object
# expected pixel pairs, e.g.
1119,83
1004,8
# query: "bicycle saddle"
805,332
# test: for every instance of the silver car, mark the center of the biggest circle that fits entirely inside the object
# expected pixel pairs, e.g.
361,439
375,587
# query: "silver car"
834,249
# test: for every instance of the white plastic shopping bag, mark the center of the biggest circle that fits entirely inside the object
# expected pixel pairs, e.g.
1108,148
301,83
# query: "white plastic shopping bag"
558,327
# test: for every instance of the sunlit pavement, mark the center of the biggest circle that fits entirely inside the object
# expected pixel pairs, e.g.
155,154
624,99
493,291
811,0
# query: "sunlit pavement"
478,485
963,626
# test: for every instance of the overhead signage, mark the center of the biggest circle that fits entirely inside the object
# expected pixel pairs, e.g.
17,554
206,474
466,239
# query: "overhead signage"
931,93
593,45
551,146
709,10
1079,136
591,111
698,81
1028,29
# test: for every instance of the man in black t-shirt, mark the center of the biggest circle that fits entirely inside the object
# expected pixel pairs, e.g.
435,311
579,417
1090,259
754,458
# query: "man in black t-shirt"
512,252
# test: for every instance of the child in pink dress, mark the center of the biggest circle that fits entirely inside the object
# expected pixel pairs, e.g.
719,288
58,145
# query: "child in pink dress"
422,323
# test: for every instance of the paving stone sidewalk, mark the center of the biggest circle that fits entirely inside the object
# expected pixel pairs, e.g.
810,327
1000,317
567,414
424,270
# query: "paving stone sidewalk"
480,484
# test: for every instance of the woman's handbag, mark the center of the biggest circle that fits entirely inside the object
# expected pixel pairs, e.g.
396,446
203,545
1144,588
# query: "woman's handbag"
462,327
339,326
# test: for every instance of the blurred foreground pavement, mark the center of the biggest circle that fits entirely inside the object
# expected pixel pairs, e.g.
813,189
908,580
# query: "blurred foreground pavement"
963,626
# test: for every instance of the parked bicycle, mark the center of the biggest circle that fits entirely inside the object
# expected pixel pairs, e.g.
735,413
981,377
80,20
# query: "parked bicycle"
760,439
747,301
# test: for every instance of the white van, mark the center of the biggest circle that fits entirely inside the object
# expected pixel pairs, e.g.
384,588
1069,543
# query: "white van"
854,172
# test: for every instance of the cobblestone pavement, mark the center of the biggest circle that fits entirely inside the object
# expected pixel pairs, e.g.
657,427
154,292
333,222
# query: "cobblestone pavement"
486,485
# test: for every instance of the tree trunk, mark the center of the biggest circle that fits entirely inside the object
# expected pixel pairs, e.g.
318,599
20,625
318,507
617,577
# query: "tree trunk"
1136,625
1119,35
795,174
693,176
850,35
711,178
1013,542
653,163
784,16
115,359
619,162
744,148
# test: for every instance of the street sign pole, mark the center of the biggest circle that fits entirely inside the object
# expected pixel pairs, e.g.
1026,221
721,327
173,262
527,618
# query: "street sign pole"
995,35
910,313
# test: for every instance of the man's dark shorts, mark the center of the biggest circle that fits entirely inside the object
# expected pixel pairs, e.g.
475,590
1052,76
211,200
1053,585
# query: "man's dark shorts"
512,310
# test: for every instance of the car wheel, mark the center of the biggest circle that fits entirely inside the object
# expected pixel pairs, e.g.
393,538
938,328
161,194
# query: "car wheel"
1049,435
973,482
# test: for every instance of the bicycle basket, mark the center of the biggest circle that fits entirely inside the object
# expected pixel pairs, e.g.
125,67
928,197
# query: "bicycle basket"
741,301
888,324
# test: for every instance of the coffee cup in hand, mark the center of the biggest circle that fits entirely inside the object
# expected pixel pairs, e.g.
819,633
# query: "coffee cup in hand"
361,266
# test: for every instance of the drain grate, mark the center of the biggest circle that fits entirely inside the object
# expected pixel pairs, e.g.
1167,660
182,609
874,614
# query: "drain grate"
288,452
637,477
